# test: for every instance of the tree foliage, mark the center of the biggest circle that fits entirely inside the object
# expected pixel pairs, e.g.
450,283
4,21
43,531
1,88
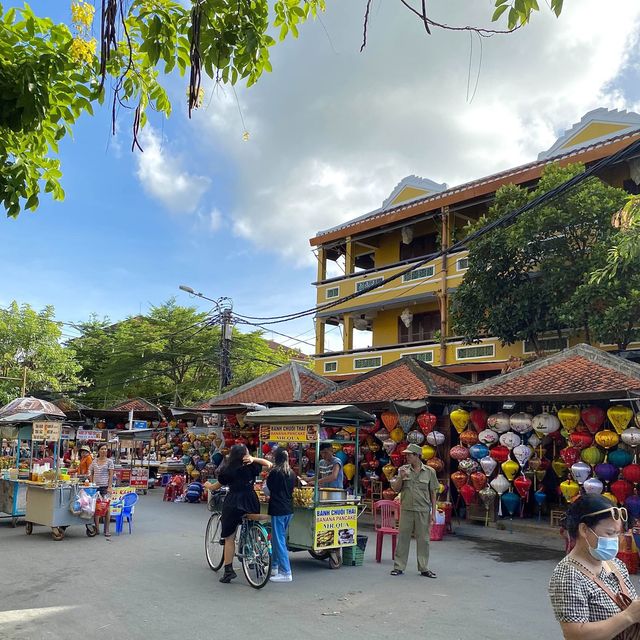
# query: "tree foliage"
30,344
535,276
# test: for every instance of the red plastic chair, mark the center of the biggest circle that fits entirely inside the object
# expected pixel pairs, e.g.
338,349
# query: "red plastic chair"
386,516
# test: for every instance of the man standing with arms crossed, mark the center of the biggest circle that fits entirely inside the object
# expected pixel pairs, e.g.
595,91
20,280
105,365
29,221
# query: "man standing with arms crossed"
417,485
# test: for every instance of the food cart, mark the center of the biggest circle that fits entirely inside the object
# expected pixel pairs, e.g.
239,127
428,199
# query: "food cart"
325,519
13,494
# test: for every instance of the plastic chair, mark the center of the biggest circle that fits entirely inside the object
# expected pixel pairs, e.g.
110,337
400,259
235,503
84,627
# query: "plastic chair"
386,516
128,501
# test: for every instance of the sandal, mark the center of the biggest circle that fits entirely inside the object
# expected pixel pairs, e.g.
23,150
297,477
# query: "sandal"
107,535
396,572
428,574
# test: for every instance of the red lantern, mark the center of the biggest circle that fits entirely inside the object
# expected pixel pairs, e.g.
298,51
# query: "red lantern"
468,494
231,419
479,419
389,494
369,456
499,453
396,458
436,464
468,438
570,455
459,479
621,489
459,452
593,418
426,422
478,480
349,449
229,442
581,440
631,472
522,485
376,426
242,440
374,464
400,447
389,420
266,448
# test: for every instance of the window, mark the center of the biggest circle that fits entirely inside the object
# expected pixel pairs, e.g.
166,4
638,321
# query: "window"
423,327
418,274
484,351
546,344
330,367
363,285
425,356
420,246
462,264
333,292
367,363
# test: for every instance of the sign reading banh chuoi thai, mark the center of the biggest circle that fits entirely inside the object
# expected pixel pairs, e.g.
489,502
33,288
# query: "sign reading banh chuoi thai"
46,431
289,433
336,526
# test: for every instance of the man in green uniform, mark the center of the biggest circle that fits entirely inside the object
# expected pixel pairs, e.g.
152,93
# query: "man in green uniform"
417,485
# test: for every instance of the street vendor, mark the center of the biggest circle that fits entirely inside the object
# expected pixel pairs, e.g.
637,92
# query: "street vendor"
101,474
417,485
330,472
85,460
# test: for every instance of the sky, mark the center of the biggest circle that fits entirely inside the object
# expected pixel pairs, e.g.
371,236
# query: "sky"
331,132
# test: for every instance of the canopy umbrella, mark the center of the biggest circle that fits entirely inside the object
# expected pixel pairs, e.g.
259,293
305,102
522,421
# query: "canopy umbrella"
28,410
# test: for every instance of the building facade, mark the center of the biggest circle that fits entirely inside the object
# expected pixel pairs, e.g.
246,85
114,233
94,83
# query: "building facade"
410,315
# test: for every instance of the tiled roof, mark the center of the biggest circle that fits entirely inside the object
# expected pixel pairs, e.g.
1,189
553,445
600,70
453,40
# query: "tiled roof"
579,371
290,383
289,352
404,379
135,404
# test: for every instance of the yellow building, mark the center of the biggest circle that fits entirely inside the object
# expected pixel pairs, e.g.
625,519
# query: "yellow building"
410,315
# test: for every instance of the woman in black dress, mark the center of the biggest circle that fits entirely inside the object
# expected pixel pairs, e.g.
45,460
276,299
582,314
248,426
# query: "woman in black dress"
238,473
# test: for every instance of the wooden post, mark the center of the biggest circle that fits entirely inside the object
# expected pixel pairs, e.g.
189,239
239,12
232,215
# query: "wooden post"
443,298
24,382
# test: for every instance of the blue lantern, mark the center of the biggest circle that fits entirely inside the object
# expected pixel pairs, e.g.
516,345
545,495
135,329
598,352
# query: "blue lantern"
620,457
511,502
479,451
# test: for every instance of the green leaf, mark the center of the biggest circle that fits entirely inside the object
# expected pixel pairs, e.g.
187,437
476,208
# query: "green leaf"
499,11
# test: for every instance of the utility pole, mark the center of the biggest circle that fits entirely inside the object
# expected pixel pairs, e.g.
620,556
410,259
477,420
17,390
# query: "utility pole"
226,334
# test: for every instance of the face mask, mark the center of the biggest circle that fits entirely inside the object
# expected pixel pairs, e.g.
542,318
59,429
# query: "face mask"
607,548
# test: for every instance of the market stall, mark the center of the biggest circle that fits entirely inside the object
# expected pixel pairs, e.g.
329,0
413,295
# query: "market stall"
325,519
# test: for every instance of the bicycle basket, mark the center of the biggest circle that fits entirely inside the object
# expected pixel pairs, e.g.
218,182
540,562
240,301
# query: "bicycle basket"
216,498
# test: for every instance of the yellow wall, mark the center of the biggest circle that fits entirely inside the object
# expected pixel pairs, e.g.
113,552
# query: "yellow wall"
593,131
409,193
389,250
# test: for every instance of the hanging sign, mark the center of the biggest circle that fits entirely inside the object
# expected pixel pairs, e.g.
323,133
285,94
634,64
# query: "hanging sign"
289,433
140,477
140,424
46,431
89,434
336,526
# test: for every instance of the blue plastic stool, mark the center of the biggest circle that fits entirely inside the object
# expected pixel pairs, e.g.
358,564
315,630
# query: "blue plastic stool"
128,501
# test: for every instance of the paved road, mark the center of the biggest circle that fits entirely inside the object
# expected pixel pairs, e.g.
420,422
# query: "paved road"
156,583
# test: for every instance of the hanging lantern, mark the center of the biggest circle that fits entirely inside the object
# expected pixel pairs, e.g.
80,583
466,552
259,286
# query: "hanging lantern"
426,422
429,452
468,494
406,420
459,452
498,422
478,480
621,489
606,471
459,479
580,472
468,438
389,471
389,420
350,470
499,453
521,422
499,484
632,503
389,446
631,437
522,484
510,468
415,437
570,455
382,434
468,466
559,467
592,455
488,465
435,438
406,316
540,497
593,418
610,497
488,437
522,453
569,489
436,464
620,457
396,458
620,417
397,435
593,485
545,423
511,502
478,419
631,473
534,441
607,438
581,440
488,497
478,451
510,440
459,418
569,417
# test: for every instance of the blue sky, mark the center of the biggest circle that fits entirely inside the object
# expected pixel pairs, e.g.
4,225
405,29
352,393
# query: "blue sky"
331,133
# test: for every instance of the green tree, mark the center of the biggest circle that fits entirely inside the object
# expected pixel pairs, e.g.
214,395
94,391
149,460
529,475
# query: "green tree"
524,280
30,343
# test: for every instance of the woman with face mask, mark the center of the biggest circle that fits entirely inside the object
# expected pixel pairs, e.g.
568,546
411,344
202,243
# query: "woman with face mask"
590,590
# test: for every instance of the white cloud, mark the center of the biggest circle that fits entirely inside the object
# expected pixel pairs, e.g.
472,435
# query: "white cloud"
333,130
163,177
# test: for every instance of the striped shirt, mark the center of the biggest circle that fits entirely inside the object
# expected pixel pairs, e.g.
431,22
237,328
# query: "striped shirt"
101,472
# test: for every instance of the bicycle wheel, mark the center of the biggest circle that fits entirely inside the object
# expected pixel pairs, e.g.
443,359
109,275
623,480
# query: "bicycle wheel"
256,556
213,547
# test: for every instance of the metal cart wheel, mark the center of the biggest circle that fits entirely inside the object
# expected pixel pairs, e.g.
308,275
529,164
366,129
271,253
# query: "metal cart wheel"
91,530
335,559
14,522
57,533
319,555
28,528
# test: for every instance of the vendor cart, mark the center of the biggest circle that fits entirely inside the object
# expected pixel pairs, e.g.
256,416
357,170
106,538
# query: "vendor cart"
13,494
325,520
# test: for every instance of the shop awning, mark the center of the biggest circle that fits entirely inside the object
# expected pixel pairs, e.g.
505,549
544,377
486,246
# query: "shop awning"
310,414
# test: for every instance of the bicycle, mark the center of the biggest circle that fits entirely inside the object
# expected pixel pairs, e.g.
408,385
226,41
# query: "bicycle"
253,544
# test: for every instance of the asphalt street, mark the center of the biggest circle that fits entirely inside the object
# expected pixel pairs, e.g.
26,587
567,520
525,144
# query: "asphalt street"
156,583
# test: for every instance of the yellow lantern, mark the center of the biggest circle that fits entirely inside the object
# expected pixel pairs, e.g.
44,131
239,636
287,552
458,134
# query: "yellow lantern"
240,419
569,417
397,435
607,438
428,452
592,455
510,468
620,417
349,470
570,489
441,488
559,467
389,471
373,445
336,446
459,419
610,497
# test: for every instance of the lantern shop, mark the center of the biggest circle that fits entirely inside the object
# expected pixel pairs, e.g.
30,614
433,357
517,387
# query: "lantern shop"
406,397
528,442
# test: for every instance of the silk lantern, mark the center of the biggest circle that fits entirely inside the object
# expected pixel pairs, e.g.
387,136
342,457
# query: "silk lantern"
593,418
429,452
488,465
631,473
499,484
620,417
580,440
350,470
488,437
534,440
607,438
510,439
559,467
459,479
510,468
521,422
522,453
406,420
415,437
389,471
488,497
498,422
545,424
435,438
468,494
478,480
478,451
570,455
569,417
436,464
468,466
592,456
499,453
621,489
632,503
569,489
620,458
389,420
522,484
382,434
511,502
426,422
396,458
397,435
606,471
631,437
459,418
593,486
610,497
468,438
478,419
459,452
580,472
389,446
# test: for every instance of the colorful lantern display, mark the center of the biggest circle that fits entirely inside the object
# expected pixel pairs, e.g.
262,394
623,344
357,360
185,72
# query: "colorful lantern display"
488,465
621,489
459,479
545,424
389,446
569,417
570,455
510,468
606,471
349,470
632,503
415,437
468,466
499,484
468,438
593,485
607,439
478,419
427,422
580,472
389,420
389,471
522,484
478,480
488,437
631,437
510,439
436,464
580,439
488,497
459,419
406,420
511,502
499,422
521,423
429,452
569,489
620,417
435,438
396,434
468,494
459,452
620,458
478,451
592,455
522,453
499,453
631,473
593,418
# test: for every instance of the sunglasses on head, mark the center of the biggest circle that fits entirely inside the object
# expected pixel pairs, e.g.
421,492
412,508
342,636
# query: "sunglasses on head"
617,513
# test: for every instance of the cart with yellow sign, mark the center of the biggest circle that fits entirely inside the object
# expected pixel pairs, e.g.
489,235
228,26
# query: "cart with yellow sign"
325,520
